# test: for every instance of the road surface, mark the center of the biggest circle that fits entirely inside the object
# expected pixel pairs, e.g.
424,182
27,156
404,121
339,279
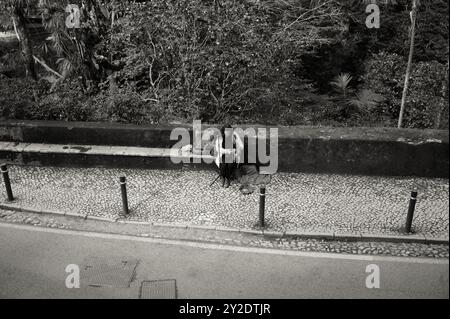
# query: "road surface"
33,262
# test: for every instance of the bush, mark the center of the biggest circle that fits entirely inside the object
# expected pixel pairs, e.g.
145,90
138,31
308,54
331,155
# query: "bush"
16,98
67,103
265,62
20,99
125,106
425,94
385,75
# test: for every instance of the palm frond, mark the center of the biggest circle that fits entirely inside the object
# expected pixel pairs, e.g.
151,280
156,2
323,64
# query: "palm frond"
340,82
65,67
366,100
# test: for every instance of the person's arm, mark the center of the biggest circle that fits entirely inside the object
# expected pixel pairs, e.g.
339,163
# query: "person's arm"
239,148
217,147
217,151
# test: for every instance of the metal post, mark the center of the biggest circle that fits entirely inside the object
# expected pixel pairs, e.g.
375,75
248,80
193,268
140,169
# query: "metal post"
412,206
123,188
262,204
4,170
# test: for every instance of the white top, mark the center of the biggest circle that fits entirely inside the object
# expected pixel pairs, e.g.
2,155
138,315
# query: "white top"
237,152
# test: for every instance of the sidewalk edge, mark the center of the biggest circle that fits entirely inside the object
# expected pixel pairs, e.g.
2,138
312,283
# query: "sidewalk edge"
422,239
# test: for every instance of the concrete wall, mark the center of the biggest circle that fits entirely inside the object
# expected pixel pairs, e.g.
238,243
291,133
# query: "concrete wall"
55,132
369,151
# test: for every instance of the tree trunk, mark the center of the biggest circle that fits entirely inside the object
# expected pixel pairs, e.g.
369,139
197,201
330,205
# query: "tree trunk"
86,39
408,68
25,43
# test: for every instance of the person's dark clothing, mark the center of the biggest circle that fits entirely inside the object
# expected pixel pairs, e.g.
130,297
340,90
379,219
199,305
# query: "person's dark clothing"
226,168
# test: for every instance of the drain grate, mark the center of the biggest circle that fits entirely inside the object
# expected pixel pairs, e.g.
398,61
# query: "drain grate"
159,289
108,272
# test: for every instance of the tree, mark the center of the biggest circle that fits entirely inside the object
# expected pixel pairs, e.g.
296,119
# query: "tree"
17,9
76,47
222,59
413,14
268,61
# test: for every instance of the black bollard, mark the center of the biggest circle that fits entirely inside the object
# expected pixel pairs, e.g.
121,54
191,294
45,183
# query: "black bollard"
262,204
412,206
9,193
123,188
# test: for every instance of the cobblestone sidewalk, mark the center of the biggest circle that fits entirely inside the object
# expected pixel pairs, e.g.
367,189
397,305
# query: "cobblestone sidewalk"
295,202
399,249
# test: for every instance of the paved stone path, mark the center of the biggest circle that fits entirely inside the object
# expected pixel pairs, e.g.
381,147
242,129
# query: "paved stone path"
230,238
295,202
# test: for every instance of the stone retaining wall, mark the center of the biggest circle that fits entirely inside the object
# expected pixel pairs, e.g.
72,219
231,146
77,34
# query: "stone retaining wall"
367,151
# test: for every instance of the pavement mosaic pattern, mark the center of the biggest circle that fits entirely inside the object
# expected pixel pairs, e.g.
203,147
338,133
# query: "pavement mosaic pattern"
294,202
230,238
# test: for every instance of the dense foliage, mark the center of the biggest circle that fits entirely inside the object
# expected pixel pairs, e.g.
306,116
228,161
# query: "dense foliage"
270,61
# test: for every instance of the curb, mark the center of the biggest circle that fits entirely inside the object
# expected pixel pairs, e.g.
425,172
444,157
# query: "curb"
420,239
15,208
76,215
120,220
315,235
103,219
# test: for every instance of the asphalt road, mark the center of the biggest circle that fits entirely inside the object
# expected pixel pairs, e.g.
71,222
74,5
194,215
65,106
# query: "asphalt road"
33,262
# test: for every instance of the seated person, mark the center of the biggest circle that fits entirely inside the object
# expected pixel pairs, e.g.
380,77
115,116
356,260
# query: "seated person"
227,159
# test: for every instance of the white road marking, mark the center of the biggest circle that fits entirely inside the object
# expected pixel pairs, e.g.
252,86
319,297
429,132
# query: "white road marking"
226,247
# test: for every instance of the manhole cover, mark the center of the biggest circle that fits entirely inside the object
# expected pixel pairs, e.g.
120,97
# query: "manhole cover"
159,289
108,272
